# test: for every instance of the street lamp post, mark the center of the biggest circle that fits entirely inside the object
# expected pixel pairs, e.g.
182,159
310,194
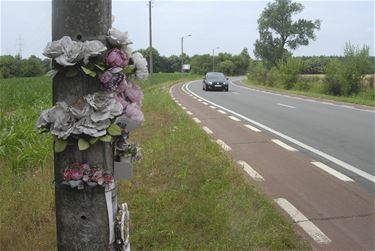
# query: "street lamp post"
213,58
182,51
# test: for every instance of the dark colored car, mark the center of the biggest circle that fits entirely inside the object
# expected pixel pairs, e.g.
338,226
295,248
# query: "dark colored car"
215,81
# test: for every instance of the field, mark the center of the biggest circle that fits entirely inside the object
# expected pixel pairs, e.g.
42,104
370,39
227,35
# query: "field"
185,192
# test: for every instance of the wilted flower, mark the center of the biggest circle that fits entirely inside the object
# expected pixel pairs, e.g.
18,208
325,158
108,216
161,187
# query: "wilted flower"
58,119
118,38
92,48
112,78
134,112
140,65
134,93
65,51
116,58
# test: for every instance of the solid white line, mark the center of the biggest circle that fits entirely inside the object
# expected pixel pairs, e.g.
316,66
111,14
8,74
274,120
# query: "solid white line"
250,171
222,112
223,145
197,120
207,130
213,107
332,171
252,128
289,106
204,103
234,118
189,112
283,145
341,163
310,228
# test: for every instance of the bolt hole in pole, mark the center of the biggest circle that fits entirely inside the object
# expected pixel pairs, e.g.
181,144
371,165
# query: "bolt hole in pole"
83,217
79,37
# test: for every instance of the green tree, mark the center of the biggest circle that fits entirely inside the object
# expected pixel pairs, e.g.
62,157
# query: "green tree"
201,64
227,67
277,31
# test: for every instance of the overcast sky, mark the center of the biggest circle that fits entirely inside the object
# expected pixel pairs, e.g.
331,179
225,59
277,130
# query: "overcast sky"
229,25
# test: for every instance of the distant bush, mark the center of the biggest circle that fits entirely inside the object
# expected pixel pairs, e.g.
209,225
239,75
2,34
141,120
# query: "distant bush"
257,72
345,77
287,72
17,67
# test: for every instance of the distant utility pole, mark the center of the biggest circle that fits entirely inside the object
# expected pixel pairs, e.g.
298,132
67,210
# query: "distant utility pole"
84,218
150,35
182,52
213,58
19,45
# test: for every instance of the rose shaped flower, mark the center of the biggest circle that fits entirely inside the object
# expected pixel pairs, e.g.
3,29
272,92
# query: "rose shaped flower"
98,177
134,93
91,128
59,120
67,174
134,112
81,109
122,86
140,64
76,174
65,51
122,100
91,49
117,38
53,49
116,58
111,78
105,106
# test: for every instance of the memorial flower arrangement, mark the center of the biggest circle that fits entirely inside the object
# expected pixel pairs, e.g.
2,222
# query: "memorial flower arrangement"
108,115
77,175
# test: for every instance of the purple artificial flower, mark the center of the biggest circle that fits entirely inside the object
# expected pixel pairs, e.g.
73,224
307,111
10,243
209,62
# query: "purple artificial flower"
112,78
116,58
121,98
134,93
134,112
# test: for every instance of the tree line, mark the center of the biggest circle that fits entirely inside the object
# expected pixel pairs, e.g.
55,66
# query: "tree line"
15,66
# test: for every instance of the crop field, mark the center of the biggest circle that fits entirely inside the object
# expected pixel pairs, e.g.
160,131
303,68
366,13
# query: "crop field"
180,197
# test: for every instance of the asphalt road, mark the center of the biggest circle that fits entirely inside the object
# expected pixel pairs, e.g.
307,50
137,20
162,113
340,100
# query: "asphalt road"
341,136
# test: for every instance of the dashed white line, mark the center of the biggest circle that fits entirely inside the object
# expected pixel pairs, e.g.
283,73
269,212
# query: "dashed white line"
221,111
252,128
204,103
289,106
283,145
332,171
183,107
199,100
197,120
189,112
207,130
234,118
250,171
223,145
310,228
213,107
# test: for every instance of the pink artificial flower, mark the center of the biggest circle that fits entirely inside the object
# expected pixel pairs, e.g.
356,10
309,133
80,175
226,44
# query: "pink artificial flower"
134,112
85,178
134,93
67,175
120,98
116,58
122,86
76,174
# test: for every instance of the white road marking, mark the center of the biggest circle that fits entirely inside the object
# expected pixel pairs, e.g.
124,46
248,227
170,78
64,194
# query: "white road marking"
189,112
197,120
204,103
207,130
199,100
234,118
213,107
332,171
310,228
183,107
194,97
250,171
222,112
283,145
289,106
339,162
223,145
252,128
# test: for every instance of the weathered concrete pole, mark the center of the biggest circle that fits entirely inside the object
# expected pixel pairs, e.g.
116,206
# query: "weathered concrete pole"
82,217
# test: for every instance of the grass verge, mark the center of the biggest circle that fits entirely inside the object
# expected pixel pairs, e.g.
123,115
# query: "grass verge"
185,193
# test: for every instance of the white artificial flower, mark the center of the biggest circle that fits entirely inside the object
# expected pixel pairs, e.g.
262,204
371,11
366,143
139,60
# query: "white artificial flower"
65,51
95,129
140,64
118,38
92,48
105,106
127,50
81,109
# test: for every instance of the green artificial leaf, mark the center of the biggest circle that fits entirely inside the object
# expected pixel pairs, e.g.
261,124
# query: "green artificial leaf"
60,145
100,67
114,130
129,69
106,138
71,72
83,144
93,140
89,72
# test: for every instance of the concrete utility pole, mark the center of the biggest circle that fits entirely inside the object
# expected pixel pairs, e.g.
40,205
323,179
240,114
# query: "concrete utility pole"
213,58
151,66
182,52
82,216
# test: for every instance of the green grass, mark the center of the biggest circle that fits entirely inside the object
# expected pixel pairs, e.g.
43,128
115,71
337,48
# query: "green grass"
313,86
185,193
